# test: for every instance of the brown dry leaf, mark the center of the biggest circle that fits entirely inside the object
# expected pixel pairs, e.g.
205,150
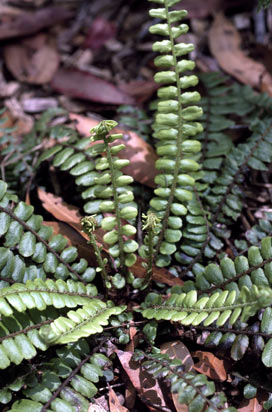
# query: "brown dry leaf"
177,350
251,405
19,120
147,387
141,155
210,365
114,403
66,213
225,45
33,60
84,85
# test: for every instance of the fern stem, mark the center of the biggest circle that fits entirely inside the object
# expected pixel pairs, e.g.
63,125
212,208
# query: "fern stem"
25,330
65,383
235,331
116,207
208,310
70,377
9,212
101,265
179,139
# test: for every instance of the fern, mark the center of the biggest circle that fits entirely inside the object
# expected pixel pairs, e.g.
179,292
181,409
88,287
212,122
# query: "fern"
68,380
174,125
53,320
194,390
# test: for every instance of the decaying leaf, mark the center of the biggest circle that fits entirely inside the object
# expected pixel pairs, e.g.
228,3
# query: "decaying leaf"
33,60
99,33
225,45
141,155
210,365
251,405
147,387
84,85
114,403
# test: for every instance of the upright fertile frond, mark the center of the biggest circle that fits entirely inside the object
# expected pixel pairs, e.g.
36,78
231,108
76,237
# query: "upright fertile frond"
113,194
174,127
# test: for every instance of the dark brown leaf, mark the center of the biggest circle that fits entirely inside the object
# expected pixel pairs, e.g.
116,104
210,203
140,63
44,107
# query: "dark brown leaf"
30,23
99,33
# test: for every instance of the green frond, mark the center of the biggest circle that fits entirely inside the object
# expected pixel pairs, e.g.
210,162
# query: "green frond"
80,323
19,156
174,128
221,307
255,269
30,250
193,389
113,193
28,320
68,381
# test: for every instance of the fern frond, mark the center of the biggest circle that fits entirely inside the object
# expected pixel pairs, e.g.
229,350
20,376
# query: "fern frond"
113,194
68,381
81,323
35,252
174,127
34,330
221,307
256,269
19,156
194,390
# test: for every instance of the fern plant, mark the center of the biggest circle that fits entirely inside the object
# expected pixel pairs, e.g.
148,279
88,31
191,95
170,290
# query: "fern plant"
55,309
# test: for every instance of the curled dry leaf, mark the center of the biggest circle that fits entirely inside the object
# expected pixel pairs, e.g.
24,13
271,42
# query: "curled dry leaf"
178,350
225,45
84,85
141,154
114,403
33,60
147,387
210,365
